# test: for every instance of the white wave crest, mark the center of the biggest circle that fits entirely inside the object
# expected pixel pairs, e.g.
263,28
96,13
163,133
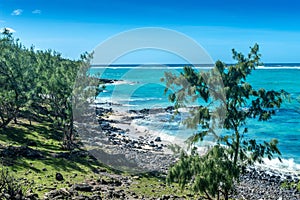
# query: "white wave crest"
279,67
286,166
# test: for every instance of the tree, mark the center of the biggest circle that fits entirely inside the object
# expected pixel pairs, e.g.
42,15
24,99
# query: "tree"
59,83
15,78
212,174
228,102
43,83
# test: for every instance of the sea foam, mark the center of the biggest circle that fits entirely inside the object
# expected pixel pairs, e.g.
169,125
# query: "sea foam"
286,166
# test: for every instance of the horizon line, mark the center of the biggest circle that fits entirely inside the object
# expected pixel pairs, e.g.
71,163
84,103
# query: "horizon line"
207,64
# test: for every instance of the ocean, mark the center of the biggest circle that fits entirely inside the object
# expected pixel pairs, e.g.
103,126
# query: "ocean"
141,87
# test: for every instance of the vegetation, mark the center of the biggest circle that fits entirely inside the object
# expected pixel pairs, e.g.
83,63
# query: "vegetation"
228,102
10,188
38,173
35,83
39,98
292,185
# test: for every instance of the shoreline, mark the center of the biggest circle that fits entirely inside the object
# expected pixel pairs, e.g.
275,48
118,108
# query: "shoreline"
123,123
119,142
134,129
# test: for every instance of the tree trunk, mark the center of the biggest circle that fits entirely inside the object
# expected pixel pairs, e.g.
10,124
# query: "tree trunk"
226,196
237,147
68,136
5,122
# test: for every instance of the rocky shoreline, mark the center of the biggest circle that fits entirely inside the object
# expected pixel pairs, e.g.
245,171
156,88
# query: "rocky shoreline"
114,144
256,183
118,144
144,152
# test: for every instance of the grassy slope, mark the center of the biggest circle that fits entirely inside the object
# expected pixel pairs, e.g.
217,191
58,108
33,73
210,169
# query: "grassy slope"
41,172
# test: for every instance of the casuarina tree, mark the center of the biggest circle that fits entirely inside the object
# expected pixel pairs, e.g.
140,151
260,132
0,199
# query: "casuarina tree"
228,101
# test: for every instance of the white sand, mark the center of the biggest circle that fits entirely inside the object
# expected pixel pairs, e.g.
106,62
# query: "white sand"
134,131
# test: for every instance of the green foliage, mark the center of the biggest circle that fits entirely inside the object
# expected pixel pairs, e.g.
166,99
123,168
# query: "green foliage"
10,187
37,83
211,174
229,100
291,185
15,78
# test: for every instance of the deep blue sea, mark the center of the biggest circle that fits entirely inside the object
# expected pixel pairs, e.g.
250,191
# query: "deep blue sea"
142,88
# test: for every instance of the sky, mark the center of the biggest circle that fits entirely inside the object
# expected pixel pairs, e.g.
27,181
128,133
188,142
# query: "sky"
73,27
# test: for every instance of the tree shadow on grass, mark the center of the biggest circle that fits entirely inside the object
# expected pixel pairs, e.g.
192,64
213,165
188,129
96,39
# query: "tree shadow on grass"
18,164
13,135
45,130
29,135
75,162
44,139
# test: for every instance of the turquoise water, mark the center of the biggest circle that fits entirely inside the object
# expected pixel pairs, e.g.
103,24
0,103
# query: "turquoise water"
142,88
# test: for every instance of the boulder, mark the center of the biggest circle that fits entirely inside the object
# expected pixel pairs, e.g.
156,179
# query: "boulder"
59,176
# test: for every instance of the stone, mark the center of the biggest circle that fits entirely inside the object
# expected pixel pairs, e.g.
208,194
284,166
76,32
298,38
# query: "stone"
55,194
32,196
83,187
59,176
157,139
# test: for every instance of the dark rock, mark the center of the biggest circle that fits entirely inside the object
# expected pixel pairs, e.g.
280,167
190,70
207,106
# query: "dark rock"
105,81
145,111
84,187
117,183
165,197
115,142
138,117
103,182
133,111
157,139
289,177
169,109
59,176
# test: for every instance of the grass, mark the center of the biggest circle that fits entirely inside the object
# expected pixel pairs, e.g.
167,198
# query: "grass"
155,187
46,138
291,185
40,173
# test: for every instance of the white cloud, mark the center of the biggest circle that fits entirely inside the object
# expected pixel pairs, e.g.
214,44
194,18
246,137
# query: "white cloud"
36,11
7,28
17,12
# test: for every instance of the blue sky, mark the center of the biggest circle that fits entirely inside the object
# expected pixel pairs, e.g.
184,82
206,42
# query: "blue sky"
73,27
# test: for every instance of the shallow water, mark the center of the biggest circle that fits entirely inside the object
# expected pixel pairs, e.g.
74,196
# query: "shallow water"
143,89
